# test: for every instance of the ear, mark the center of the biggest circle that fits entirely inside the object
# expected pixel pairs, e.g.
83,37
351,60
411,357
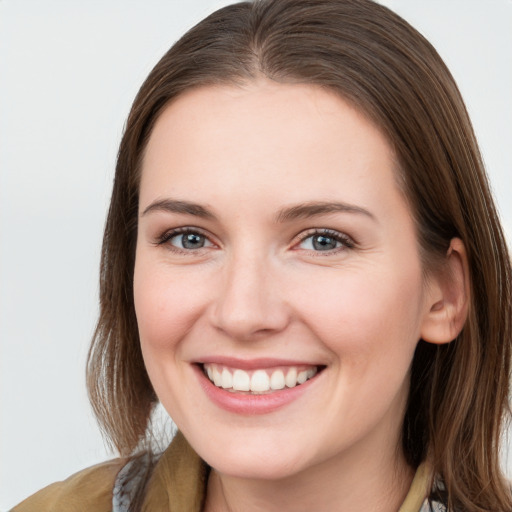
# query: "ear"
447,297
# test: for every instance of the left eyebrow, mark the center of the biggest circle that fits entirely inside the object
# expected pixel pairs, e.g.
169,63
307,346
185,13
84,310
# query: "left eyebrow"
313,209
176,206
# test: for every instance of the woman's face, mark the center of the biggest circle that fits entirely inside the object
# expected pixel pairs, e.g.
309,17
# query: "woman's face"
277,255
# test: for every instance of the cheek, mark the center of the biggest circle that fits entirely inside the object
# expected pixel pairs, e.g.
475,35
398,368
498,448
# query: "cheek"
362,314
164,312
371,326
165,315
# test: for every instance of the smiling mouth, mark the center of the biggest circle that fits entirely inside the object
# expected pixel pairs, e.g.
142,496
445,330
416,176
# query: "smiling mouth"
259,381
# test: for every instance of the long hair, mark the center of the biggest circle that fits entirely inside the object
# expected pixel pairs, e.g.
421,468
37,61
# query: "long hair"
458,397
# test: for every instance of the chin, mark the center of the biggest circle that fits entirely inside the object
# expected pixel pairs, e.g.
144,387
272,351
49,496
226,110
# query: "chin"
263,469
259,461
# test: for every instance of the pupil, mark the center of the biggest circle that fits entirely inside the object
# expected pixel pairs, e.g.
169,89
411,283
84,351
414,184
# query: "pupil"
324,243
192,241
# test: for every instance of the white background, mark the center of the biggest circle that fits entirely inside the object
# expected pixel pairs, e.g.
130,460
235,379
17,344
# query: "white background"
69,70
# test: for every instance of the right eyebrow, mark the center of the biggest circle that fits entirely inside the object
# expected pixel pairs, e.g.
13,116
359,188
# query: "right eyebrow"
176,206
314,209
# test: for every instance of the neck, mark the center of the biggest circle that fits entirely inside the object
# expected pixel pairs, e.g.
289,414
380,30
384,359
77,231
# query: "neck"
377,483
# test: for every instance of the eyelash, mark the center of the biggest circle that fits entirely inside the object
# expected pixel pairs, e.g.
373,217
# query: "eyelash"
345,241
166,237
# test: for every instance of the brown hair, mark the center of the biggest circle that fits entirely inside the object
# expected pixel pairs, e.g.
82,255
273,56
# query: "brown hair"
378,62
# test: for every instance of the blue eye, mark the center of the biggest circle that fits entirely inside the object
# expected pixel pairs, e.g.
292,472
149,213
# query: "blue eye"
186,240
324,241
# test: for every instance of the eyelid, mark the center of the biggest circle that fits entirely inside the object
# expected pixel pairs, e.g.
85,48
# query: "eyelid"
167,235
346,241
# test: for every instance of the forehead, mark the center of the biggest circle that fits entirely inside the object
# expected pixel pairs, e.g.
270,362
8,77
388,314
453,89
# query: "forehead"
262,106
280,140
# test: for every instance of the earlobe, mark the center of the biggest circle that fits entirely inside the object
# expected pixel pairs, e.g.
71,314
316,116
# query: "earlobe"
448,296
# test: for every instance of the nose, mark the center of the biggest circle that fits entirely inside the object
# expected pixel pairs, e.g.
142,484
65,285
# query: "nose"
250,302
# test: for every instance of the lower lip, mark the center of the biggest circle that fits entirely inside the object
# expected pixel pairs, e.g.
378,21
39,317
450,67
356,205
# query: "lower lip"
246,404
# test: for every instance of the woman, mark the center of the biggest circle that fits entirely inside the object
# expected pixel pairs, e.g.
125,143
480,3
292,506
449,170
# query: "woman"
302,262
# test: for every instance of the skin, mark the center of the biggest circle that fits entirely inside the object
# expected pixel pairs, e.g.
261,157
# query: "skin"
259,288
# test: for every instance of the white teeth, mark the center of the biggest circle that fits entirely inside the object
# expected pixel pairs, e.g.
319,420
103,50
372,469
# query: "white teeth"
302,377
217,379
258,381
227,379
277,380
241,381
291,378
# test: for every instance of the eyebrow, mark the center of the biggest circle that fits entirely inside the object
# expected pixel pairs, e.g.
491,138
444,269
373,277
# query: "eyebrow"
299,211
313,209
175,206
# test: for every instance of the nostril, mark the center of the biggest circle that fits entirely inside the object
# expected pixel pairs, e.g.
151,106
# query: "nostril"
250,322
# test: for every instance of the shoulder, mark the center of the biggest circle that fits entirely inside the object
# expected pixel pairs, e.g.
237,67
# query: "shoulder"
88,490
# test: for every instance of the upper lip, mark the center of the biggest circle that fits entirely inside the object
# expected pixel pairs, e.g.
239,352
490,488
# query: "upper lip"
253,364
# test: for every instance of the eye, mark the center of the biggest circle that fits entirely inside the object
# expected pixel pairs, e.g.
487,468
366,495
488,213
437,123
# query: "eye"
185,239
189,241
325,240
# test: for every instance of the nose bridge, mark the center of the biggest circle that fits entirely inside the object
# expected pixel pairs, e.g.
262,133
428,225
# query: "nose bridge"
249,302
